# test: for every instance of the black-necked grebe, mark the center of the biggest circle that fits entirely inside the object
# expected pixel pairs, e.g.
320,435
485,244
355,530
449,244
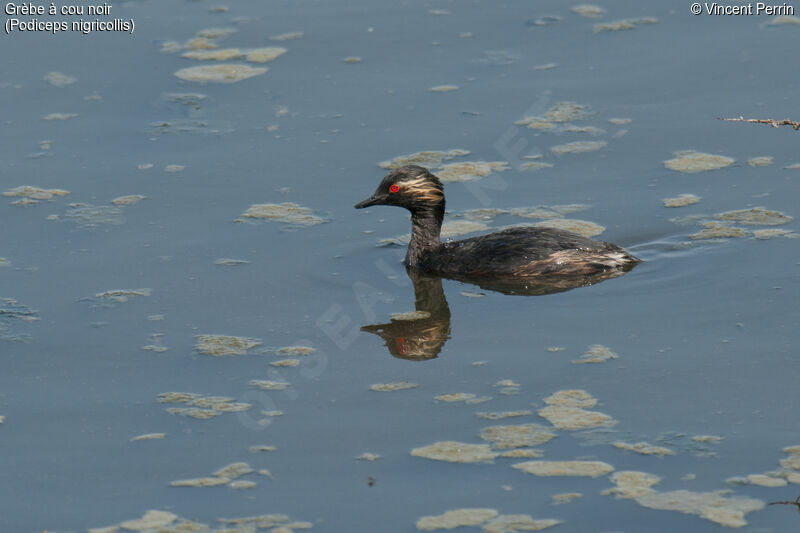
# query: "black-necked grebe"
514,252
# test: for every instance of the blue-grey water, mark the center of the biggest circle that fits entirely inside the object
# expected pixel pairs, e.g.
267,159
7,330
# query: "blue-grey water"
705,330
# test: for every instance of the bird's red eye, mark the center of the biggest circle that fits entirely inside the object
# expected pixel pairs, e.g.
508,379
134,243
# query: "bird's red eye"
394,188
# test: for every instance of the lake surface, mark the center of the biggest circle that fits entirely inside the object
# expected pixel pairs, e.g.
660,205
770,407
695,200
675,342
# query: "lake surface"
134,269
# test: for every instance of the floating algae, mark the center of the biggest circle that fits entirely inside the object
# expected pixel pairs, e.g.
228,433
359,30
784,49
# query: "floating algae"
469,170
762,161
565,410
220,345
388,387
765,234
262,448
503,414
128,200
565,468
443,88
352,59
286,36
287,212
644,448
571,398
762,480
225,73
150,520
581,227
716,230
709,505
174,168
522,453
588,10
505,437
690,161
149,436
756,216
220,54
122,295
632,484
566,497
286,363
456,518
574,417
91,216
427,159
535,165
624,24
201,482
578,147
535,123
597,353
293,351
265,55
199,406
456,452
454,228
227,261
241,484
620,121
234,470
567,112
367,456
34,193
60,116
455,397
512,523
681,200
784,19
57,79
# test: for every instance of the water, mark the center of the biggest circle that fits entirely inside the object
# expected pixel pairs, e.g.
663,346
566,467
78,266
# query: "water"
705,331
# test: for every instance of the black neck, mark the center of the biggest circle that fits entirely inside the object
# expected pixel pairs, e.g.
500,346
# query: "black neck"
426,224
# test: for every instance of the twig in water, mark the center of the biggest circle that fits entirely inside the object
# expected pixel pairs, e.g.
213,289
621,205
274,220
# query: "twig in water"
771,121
796,502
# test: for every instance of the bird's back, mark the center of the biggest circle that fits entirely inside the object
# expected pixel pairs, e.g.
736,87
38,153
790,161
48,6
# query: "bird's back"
525,251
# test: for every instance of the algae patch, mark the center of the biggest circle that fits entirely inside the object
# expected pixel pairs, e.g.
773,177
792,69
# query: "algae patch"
224,73
290,213
388,387
756,216
681,200
428,159
690,161
456,518
597,353
456,452
644,448
505,437
199,406
565,468
221,345
578,147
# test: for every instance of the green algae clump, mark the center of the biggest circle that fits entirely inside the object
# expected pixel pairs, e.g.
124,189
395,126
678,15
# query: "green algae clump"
220,345
565,468
456,518
224,73
690,161
456,452
286,212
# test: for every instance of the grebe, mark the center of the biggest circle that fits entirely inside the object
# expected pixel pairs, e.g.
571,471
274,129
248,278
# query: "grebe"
513,252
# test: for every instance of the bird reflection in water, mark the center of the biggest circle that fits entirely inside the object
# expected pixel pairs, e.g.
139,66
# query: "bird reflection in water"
421,335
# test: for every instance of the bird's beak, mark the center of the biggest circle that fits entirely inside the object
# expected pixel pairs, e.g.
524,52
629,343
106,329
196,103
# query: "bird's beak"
375,199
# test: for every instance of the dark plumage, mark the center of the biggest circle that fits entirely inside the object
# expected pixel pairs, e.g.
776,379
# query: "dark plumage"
513,252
